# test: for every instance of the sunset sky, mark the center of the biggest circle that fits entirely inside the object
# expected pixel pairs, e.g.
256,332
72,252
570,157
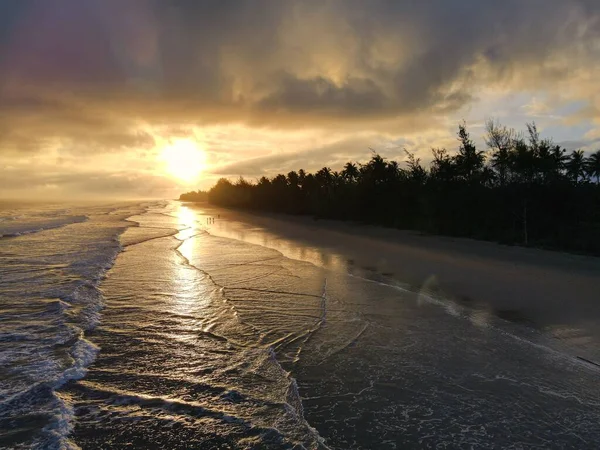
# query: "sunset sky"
103,98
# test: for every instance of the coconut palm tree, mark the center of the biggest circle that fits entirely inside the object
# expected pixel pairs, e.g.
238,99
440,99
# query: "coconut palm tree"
522,161
592,166
350,172
324,177
576,166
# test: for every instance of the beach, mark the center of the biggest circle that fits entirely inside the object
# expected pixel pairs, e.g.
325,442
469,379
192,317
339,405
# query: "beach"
542,289
211,328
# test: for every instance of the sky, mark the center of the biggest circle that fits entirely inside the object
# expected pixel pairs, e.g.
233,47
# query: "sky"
149,98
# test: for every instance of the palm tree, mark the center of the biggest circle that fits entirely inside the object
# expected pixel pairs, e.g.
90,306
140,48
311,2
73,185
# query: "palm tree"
544,164
350,172
592,166
576,166
529,191
559,160
522,161
376,170
324,177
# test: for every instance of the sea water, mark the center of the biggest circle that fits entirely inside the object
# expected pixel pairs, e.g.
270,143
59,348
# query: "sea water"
161,325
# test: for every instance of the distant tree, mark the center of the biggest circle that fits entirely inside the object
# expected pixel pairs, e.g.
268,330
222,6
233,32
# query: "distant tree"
375,171
530,191
194,196
534,137
301,177
293,179
500,140
416,172
280,182
443,166
264,181
469,160
522,161
324,177
242,183
350,172
592,166
576,167
545,164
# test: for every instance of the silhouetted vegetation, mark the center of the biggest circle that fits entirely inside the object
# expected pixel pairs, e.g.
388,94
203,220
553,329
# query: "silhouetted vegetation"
194,196
522,190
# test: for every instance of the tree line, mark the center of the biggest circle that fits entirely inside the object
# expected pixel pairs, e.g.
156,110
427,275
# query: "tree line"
194,196
521,189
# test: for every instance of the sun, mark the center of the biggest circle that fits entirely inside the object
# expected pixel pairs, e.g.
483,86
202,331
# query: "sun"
183,159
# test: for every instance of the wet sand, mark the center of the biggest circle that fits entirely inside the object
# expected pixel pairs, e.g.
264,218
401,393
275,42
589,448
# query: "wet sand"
253,332
546,290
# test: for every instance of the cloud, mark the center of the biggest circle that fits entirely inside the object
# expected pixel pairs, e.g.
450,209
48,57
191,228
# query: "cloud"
334,155
87,184
537,108
308,159
93,77
264,58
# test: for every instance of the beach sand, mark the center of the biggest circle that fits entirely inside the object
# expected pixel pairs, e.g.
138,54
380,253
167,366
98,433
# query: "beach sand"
543,289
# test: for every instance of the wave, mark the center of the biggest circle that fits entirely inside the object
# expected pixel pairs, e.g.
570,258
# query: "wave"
42,398
24,226
55,297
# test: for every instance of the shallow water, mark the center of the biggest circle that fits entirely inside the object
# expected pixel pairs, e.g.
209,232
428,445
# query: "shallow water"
217,336
52,259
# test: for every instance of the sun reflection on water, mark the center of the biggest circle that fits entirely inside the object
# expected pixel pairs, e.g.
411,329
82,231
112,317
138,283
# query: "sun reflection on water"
191,293
187,220
186,216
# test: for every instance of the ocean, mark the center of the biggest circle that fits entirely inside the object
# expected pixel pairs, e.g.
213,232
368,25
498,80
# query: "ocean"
164,325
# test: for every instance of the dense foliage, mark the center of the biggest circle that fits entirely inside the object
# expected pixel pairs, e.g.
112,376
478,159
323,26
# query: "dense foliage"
194,196
522,190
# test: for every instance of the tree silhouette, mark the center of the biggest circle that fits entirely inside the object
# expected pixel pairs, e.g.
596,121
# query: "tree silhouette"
469,160
194,196
500,140
592,166
526,190
576,167
350,172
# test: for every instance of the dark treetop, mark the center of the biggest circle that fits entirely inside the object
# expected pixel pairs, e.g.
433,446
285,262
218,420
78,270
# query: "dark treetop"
522,190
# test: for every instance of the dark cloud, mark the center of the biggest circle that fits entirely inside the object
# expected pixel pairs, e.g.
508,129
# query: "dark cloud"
394,57
333,155
90,74
320,95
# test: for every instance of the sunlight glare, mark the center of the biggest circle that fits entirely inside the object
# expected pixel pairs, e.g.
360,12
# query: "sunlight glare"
183,159
186,217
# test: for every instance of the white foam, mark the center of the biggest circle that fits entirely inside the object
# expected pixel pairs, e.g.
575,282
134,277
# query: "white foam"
60,427
85,251
35,225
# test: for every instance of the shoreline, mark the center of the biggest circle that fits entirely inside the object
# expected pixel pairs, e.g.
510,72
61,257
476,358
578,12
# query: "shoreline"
540,288
354,225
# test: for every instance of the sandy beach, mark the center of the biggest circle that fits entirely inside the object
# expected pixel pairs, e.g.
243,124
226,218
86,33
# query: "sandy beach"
542,289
